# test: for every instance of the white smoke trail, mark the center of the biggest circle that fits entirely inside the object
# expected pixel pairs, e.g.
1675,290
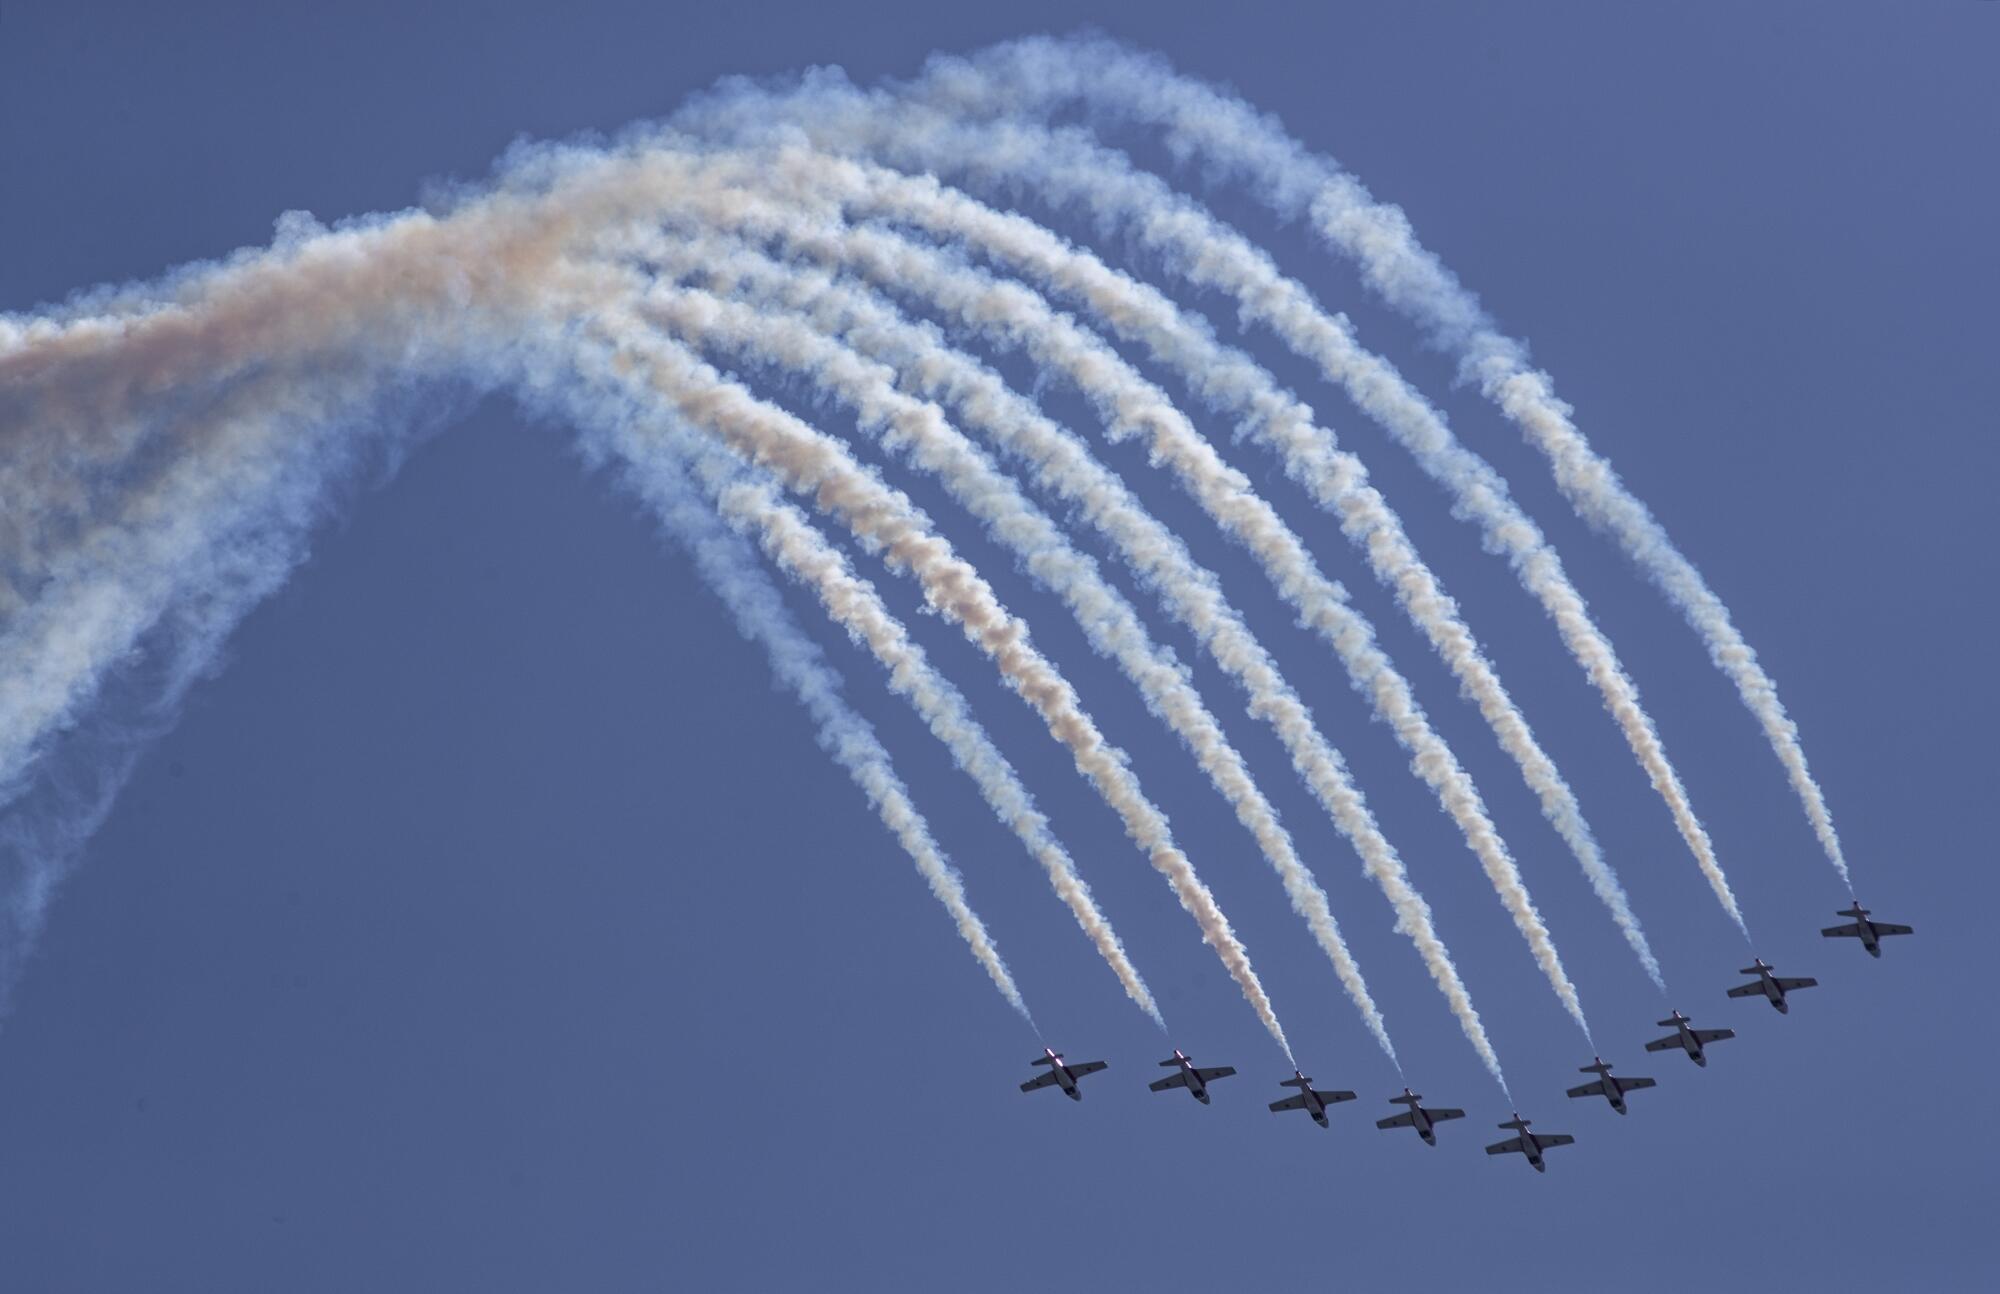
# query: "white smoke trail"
920,432
1157,558
1231,140
808,462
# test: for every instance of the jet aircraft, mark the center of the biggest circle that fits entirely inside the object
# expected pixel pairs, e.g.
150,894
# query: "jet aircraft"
1771,986
1424,1121
1196,1081
1060,1075
1313,1103
1692,1041
1531,1144
1868,932
1611,1089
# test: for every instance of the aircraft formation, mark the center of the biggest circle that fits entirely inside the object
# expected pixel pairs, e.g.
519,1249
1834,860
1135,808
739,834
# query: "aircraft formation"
861,245
1525,1142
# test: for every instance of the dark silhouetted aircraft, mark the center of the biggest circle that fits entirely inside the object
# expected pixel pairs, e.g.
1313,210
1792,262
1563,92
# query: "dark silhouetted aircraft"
1689,1040
1313,1103
1060,1075
1196,1081
1424,1121
1529,1143
1868,932
1611,1089
1772,987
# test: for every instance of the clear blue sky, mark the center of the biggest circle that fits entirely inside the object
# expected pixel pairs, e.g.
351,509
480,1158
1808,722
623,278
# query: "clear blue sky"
490,922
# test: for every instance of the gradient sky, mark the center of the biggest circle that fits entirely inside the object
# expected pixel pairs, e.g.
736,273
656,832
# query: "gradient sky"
491,923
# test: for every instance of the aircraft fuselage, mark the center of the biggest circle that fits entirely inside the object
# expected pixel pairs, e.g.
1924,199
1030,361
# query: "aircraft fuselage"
1691,1045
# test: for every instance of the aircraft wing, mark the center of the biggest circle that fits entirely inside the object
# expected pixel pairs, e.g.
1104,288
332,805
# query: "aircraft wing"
1508,1147
1178,1078
1439,1116
1885,928
1040,1080
1664,1043
1333,1098
1789,984
1747,990
1634,1084
1289,1103
1589,1089
1404,1120
1844,932
1706,1036
1220,1071
1555,1139
1087,1067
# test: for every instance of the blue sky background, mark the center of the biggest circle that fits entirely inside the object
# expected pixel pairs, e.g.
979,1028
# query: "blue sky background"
491,923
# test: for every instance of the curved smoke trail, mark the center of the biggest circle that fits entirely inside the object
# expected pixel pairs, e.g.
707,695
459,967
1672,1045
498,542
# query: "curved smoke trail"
1229,139
169,447
1063,167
